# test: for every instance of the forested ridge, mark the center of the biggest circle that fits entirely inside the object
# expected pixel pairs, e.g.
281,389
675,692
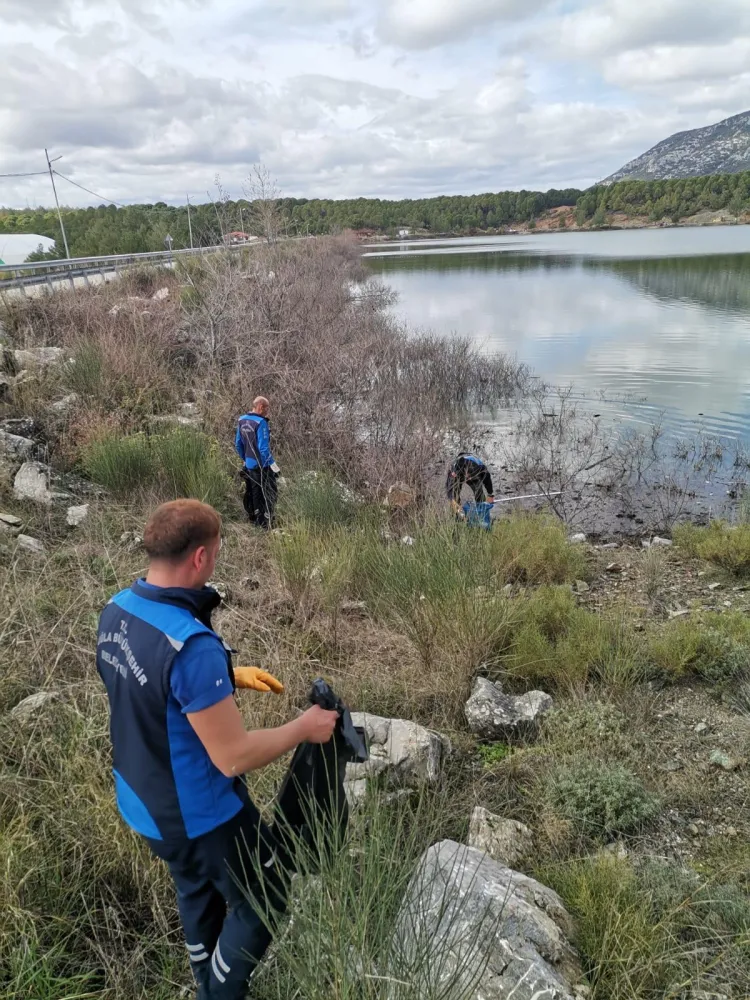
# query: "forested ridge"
109,229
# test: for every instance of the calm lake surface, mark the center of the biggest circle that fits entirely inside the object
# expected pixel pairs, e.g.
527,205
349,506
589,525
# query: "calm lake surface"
648,325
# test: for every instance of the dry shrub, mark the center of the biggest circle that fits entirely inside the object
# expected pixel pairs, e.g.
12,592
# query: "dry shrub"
299,322
350,389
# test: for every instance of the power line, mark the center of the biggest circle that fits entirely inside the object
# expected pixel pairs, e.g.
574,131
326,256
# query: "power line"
36,173
111,201
89,191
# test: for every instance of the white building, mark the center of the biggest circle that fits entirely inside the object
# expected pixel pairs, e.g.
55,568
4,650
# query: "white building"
16,247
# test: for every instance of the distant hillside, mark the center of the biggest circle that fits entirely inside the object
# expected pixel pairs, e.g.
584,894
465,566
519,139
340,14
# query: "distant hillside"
723,148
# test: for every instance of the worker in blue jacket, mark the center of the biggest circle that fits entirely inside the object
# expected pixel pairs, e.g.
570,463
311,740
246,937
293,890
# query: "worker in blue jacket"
180,748
260,471
468,470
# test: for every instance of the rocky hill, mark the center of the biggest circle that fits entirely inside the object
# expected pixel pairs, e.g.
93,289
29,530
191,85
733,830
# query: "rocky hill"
723,148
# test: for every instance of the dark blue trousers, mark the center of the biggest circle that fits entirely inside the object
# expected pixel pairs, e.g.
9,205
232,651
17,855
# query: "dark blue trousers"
229,889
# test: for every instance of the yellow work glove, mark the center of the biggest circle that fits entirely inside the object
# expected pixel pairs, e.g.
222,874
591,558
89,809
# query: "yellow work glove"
257,680
457,511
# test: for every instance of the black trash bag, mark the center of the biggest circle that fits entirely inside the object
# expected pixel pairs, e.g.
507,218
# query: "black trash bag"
312,813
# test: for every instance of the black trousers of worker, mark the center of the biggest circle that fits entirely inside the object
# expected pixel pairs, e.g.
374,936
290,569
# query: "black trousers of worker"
232,882
261,493
222,879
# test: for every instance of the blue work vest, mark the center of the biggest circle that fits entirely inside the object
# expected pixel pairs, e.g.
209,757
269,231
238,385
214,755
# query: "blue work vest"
247,428
166,784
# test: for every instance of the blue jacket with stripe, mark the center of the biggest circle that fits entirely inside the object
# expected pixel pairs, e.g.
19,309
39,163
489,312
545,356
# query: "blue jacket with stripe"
166,784
253,441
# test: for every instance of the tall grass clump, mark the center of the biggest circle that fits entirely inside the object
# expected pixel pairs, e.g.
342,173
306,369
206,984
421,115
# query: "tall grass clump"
179,463
349,938
655,930
316,567
559,644
190,464
534,549
443,589
319,499
714,647
724,545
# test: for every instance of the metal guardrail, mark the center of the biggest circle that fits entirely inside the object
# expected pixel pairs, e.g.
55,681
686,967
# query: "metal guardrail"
51,272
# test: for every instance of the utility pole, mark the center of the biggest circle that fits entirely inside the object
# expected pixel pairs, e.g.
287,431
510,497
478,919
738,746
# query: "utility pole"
54,189
190,224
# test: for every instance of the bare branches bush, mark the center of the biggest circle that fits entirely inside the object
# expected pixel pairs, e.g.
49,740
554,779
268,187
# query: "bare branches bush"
351,389
297,321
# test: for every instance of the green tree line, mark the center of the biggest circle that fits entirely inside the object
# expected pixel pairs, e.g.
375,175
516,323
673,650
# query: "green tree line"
666,200
109,229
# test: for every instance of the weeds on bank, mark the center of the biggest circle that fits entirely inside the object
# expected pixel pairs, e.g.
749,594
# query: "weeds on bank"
724,545
498,601
182,462
656,930
350,937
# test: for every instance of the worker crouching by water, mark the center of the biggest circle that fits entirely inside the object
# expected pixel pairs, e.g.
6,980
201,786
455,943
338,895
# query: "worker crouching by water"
260,471
180,747
469,470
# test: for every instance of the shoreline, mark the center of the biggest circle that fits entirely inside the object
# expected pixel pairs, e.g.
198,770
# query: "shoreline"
544,225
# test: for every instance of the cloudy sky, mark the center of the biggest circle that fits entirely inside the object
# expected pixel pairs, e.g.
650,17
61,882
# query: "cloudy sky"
150,99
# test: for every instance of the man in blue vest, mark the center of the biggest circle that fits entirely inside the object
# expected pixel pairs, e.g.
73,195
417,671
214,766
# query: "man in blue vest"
180,747
260,471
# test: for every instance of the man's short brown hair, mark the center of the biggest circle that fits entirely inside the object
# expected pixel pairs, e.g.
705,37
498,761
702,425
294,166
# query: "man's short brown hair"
179,527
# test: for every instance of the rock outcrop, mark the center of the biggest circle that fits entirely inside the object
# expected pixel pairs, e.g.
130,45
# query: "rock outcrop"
493,932
32,483
405,754
494,715
721,148
503,840
38,357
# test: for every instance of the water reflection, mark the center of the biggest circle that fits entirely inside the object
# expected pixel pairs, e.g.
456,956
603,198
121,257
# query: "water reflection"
657,334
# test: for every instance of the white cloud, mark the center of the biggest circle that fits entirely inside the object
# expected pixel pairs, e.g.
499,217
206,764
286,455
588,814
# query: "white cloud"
638,68
147,99
603,27
422,24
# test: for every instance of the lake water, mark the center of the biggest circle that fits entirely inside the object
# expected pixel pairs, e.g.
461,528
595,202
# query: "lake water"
649,325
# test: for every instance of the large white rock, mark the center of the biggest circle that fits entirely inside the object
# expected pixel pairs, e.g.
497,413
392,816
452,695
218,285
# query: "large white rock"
30,706
407,754
504,840
38,357
493,933
16,446
31,483
492,714
29,544
77,515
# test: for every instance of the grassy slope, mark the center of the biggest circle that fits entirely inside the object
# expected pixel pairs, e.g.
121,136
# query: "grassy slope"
84,911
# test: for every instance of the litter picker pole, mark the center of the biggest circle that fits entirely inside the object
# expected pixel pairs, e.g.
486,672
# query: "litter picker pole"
529,496
54,189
